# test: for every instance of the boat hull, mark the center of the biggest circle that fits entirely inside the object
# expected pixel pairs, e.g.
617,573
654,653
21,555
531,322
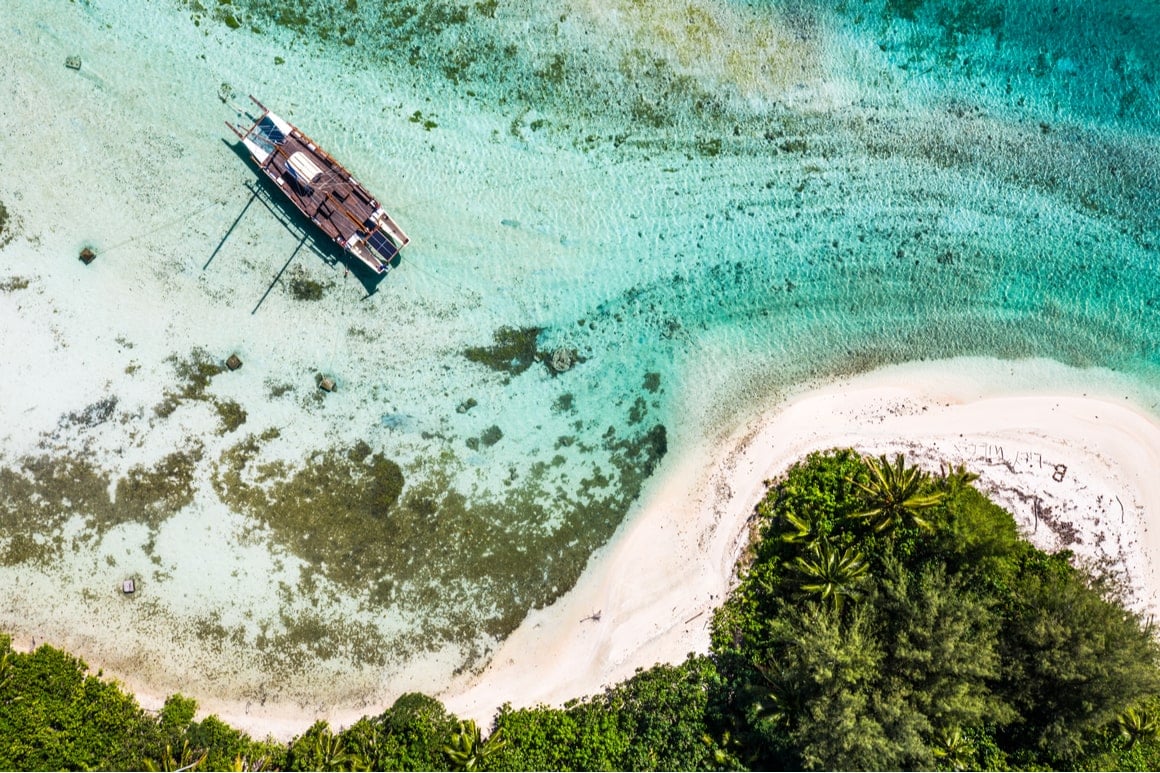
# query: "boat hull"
324,191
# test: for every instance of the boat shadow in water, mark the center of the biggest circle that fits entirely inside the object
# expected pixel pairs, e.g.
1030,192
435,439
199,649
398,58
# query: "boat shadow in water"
265,191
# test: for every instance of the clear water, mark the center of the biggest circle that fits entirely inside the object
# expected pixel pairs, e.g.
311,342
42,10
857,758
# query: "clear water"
708,202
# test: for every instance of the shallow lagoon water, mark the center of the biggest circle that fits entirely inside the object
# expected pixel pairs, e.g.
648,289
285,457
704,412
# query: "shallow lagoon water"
709,203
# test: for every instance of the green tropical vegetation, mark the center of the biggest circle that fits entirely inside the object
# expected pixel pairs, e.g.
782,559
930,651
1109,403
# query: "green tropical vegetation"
885,618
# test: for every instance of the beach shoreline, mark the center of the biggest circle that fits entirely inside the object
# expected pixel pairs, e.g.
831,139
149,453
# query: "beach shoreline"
1070,463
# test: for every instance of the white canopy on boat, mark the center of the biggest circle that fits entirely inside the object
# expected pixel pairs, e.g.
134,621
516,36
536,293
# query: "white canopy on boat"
306,170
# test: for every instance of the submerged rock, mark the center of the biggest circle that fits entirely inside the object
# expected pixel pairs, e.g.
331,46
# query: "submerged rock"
562,360
513,350
491,435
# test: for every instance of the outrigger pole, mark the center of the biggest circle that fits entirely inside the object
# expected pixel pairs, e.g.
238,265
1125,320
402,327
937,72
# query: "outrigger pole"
239,132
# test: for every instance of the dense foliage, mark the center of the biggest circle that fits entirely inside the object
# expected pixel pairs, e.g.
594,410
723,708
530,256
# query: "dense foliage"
655,721
885,619
894,620
54,715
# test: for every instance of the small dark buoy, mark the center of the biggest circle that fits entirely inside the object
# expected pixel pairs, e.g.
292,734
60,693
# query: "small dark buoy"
73,62
128,586
88,256
328,384
234,362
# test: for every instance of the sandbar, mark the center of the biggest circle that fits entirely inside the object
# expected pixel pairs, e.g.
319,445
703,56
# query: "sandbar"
1072,454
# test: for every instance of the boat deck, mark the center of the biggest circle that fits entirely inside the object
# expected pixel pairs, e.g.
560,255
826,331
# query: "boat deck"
324,191
334,203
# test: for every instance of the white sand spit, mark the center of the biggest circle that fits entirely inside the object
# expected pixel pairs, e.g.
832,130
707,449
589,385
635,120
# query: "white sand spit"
1077,469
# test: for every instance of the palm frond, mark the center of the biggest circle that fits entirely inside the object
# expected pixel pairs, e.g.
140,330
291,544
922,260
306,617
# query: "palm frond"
952,749
830,574
894,493
798,529
1138,725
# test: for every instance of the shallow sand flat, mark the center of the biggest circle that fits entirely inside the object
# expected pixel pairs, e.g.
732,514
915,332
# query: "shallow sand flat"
649,598
144,171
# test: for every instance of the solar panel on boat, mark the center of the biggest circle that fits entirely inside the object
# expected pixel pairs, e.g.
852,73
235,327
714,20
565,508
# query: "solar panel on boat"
271,130
382,245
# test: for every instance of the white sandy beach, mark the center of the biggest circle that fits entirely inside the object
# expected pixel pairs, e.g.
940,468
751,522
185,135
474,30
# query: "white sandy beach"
649,597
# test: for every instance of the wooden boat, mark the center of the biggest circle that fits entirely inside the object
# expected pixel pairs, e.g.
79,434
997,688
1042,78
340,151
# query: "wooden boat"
323,190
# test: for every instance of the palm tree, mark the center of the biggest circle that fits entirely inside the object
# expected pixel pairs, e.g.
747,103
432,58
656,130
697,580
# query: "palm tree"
894,493
243,764
951,749
188,759
364,746
5,669
468,748
832,574
1138,725
329,752
777,701
954,478
798,529
723,756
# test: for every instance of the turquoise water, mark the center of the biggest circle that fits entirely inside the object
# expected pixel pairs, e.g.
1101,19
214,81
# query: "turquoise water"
708,203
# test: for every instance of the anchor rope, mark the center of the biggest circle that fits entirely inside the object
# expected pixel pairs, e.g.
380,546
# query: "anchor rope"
154,230
431,274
